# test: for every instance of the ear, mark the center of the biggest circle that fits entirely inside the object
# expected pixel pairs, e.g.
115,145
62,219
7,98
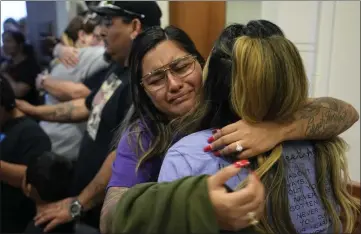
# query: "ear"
81,35
136,28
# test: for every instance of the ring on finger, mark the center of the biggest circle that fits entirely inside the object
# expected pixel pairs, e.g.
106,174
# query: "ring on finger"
252,217
239,148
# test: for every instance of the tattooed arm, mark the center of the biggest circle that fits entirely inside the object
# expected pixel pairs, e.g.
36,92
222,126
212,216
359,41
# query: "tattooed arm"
321,118
65,90
67,112
94,193
114,194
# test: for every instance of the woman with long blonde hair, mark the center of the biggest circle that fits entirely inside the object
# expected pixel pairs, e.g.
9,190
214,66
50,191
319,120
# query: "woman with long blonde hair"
305,180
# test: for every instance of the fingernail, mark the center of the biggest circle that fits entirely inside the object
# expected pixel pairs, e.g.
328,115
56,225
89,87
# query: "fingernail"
214,131
207,148
211,139
217,153
242,163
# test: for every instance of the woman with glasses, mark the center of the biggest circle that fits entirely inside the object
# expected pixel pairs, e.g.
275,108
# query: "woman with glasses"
305,181
166,80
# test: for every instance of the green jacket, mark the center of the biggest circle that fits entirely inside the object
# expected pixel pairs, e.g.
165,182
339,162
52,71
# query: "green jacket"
179,207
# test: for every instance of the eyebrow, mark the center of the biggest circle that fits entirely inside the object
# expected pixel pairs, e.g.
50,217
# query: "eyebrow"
172,62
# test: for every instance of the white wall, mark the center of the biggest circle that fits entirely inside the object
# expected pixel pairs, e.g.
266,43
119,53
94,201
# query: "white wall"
338,70
164,6
242,11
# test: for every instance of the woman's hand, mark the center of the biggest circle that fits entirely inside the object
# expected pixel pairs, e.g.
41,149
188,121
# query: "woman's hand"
233,209
25,107
251,139
69,56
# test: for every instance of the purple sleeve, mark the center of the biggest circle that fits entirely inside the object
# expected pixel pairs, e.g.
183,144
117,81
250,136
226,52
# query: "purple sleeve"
124,172
174,166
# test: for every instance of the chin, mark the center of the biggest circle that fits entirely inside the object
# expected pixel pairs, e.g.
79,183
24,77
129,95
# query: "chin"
185,108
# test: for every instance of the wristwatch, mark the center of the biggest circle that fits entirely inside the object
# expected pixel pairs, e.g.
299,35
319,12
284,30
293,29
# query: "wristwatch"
75,209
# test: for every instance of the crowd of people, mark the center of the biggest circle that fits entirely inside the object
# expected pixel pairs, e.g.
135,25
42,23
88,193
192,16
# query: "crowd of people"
130,130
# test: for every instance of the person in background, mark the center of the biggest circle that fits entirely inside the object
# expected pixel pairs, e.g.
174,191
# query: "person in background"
64,84
10,24
24,30
166,80
290,169
22,26
22,68
47,179
104,109
21,140
68,83
67,54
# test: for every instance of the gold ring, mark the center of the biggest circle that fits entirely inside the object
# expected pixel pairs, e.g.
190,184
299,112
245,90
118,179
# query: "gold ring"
252,217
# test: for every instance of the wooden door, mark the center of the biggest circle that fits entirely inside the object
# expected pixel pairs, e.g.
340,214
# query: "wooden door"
203,21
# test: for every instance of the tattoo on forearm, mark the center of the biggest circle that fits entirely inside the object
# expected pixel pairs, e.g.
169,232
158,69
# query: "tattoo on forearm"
95,191
111,199
327,117
61,112
98,188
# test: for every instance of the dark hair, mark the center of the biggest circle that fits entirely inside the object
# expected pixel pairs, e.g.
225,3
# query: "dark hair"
87,23
92,3
7,95
19,38
143,106
215,109
128,19
217,85
50,174
150,9
22,22
11,21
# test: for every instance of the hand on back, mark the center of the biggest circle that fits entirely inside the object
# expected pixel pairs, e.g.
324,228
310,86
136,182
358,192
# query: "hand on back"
248,139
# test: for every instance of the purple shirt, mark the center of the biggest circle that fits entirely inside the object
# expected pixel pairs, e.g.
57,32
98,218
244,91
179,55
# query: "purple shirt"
124,172
186,158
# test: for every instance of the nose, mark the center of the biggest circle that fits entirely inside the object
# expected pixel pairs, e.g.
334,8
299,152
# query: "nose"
174,83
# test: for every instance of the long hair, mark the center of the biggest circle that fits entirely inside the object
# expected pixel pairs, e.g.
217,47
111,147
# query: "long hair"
85,23
271,54
213,107
269,83
156,123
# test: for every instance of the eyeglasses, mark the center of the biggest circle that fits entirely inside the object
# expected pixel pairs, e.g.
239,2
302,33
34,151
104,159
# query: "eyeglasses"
180,68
